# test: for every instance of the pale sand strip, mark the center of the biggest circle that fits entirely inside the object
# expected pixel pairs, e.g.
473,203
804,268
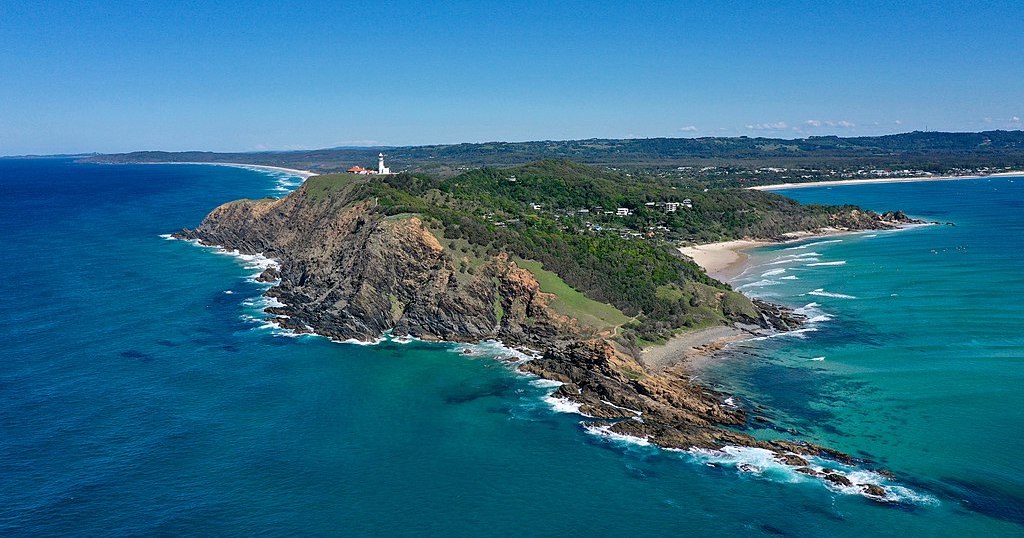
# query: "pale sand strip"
784,186
692,348
722,261
304,174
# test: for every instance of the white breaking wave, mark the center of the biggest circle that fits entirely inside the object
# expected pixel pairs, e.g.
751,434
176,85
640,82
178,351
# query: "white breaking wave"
795,259
758,284
756,461
284,181
605,431
799,333
492,349
790,277
773,272
764,464
819,264
801,247
542,383
822,293
817,359
563,405
259,263
356,341
813,313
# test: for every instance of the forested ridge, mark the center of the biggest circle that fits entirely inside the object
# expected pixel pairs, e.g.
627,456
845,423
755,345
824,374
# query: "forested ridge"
533,212
727,161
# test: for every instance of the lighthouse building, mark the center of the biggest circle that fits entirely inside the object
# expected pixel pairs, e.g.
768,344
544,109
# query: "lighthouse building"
381,169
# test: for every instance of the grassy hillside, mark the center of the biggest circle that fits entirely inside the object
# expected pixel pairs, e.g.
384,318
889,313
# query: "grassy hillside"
589,260
572,303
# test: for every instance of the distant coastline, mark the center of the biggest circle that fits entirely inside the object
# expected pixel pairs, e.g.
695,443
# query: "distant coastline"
785,186
304,174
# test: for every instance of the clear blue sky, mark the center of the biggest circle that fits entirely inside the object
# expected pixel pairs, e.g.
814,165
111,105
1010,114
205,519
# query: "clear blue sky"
105,76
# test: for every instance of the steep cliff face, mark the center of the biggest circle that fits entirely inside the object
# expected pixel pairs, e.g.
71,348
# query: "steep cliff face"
349,272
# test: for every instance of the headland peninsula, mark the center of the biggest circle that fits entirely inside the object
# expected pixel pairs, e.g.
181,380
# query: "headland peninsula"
577,266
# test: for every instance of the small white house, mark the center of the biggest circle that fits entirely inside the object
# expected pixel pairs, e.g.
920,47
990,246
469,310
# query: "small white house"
622,212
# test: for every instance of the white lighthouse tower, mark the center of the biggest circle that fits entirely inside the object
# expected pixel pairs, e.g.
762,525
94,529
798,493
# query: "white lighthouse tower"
381,169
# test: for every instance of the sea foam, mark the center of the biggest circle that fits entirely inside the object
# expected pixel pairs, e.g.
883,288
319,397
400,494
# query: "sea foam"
759,284
813,312
605,431
765,464
822,293
807,245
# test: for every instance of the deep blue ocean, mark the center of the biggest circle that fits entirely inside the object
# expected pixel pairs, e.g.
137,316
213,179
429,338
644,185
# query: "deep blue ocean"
140,393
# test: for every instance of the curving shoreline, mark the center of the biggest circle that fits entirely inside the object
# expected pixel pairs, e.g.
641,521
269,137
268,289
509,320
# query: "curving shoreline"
347,271
723,260
832,183
304,174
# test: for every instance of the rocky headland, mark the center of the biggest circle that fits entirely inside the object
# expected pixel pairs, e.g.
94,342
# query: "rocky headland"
348,270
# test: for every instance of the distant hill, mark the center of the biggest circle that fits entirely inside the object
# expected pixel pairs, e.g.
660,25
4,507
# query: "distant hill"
928,151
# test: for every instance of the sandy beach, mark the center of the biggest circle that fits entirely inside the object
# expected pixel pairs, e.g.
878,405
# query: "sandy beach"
692,348
722,261
302,173
784,186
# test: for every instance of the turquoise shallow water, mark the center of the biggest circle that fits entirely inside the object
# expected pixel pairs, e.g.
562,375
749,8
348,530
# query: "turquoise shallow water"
139,397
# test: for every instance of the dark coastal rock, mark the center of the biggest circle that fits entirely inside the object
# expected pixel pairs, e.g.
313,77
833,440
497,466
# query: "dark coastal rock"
776,317
873,489
347,270
838,479
856,219
270,274
899,218
291,324
792,459
885,473
350,272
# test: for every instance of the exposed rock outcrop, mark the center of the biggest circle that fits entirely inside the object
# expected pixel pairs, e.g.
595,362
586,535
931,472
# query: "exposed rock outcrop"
348,271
